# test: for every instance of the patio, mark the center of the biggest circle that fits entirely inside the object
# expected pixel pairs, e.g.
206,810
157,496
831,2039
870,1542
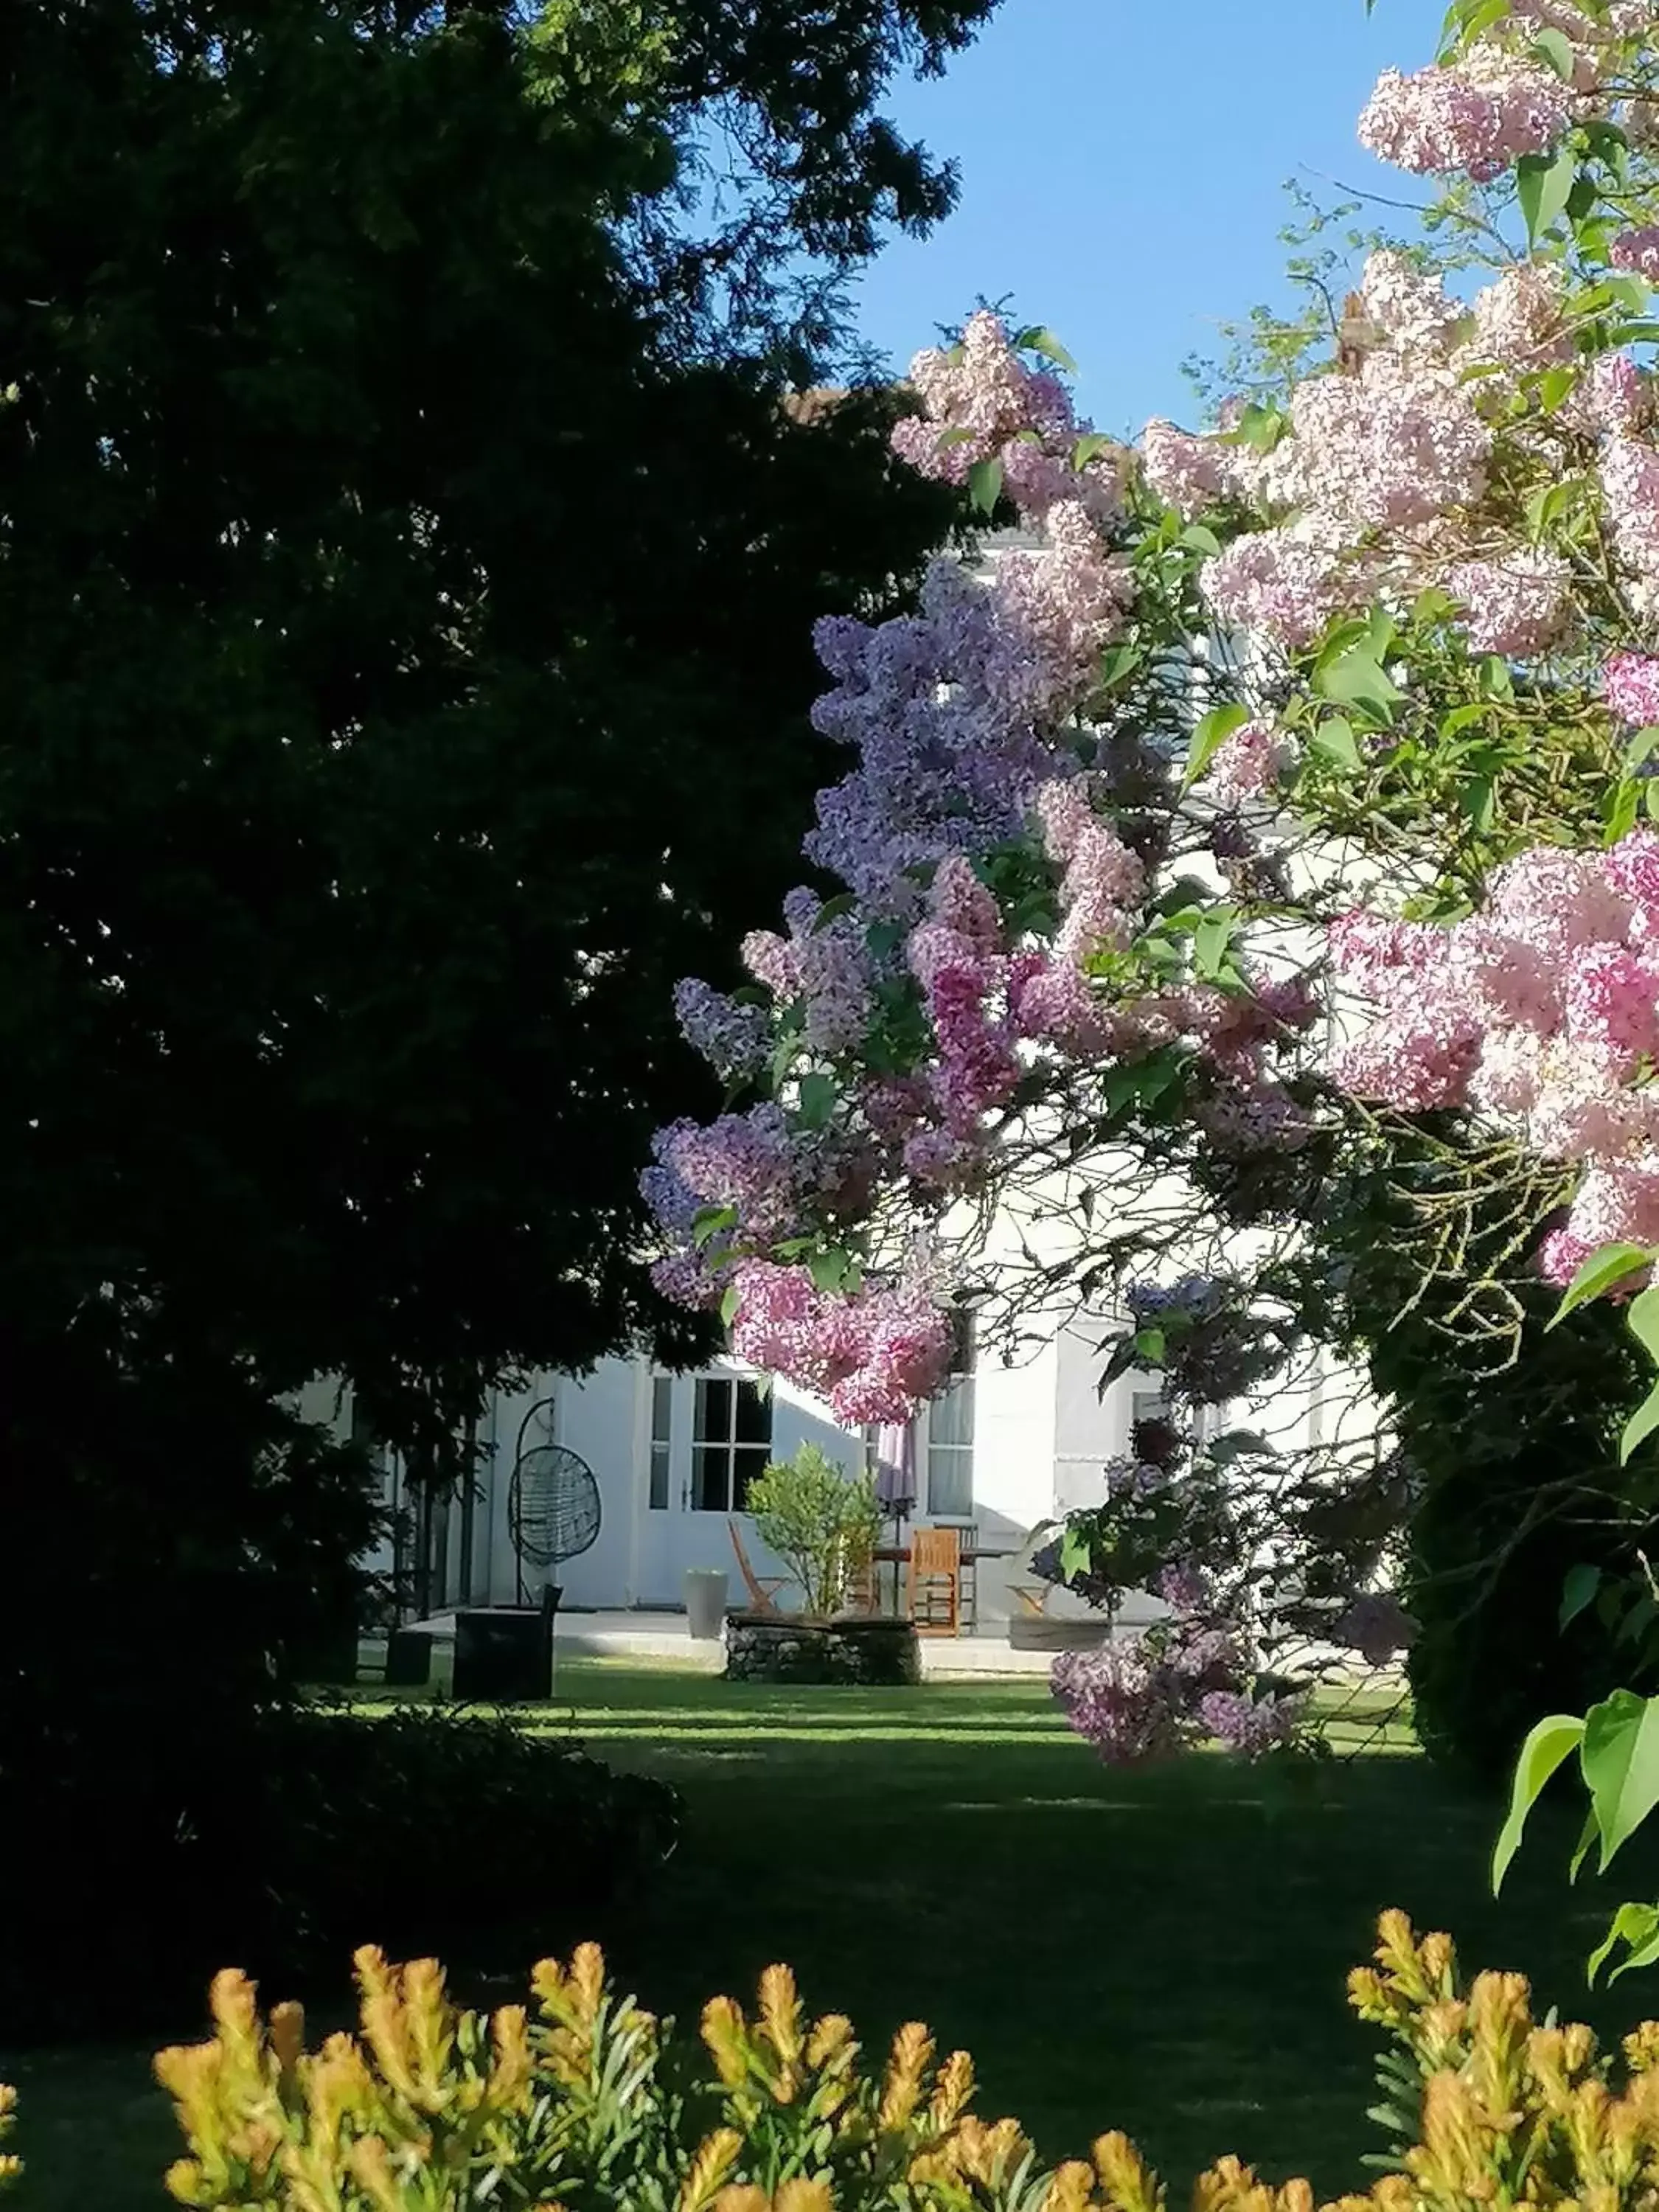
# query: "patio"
668,1636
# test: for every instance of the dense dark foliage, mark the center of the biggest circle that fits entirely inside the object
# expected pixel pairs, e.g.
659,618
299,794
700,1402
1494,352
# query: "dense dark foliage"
407,568
426,1829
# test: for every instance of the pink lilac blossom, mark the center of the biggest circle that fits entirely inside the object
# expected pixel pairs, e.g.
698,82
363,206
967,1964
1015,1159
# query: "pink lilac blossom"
1052,612
981,403
1631,683
1261,1116
1185,1587
961,905
1482,115
1520,321
981,387
745,1161
1055,1004
1376,1626
733,1038
1250,1726
1542,1008
977,1068
1287,582
774,962
1190,474
1248,763
1632,870
1121,1700
1630,493
1408,305
1638,251
1102,879
1614,398
875,1355
1555,901
1516,606
1613,1004
1580,1110
1397,445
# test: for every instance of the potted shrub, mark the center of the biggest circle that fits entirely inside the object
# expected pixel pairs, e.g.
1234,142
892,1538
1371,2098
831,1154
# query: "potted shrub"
822,1523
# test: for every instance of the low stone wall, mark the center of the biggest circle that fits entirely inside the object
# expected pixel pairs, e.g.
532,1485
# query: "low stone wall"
867,1654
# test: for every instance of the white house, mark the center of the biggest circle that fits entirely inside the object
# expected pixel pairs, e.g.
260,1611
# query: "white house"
1005,1449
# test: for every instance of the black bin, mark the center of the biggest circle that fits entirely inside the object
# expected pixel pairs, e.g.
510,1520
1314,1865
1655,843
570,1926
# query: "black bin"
504,1654
409,1659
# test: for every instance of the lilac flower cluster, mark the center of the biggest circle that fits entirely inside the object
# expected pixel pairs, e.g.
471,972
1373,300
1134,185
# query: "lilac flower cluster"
1147,1697
1480,116
1215,1348
1542,1009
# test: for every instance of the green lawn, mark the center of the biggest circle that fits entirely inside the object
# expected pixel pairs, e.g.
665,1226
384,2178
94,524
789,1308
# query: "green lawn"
1163,1951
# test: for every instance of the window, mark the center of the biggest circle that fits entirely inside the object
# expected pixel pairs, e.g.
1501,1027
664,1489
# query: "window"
662,1430
731,1443
951,1433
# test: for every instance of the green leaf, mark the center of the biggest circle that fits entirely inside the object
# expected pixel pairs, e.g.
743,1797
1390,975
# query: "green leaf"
1260,427
1642,744
709,1220
1212,733
1074,1553
1357,679
1581,1849
1043,342
1462,718
1334,741
1496,681
1210,942
1556,387
1635,1924
1465,20
1477,800
1119,661
1201,539
1640,1426
833,910
816,1102
1577,1590
1090,448
729,1305
1150,1344
1643,1320
1552,46
1607,1264
1619,1756
956,437
1642,1953
1550,1742
1619,815
985,485
1544,184
828,1271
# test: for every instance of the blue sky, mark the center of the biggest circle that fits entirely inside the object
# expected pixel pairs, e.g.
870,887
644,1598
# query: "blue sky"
1122,166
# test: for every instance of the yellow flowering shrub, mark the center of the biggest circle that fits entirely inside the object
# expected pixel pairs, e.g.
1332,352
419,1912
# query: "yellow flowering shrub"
10,2168
584,2103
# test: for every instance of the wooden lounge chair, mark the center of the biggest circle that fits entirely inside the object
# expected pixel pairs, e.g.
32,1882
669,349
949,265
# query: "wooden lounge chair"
936,1581
760,1588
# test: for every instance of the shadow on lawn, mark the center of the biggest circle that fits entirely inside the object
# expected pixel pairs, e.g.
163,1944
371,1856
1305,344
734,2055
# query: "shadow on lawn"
1163,1951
